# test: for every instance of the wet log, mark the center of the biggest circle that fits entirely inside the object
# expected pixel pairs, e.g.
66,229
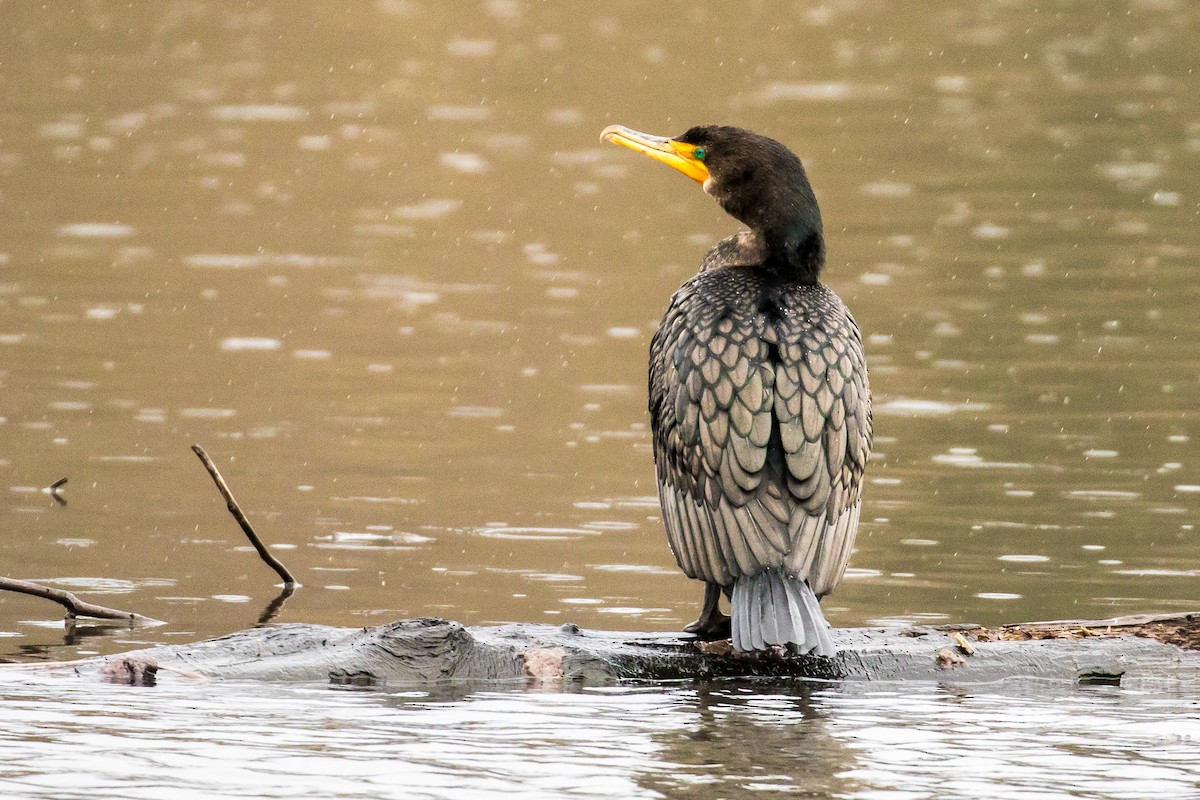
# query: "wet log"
1145,650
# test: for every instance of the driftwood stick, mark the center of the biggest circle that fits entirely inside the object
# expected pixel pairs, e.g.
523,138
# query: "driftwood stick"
75,607
236,511
1130,621
54,491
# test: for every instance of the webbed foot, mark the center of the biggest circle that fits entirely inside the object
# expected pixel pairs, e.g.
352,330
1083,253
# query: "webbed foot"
712,624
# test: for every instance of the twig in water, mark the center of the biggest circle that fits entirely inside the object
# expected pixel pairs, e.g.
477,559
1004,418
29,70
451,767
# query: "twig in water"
53,490
75,607
236,511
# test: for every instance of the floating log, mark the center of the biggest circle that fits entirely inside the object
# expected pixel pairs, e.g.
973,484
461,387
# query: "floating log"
427,652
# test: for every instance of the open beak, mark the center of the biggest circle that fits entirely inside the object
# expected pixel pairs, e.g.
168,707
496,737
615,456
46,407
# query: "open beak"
670,152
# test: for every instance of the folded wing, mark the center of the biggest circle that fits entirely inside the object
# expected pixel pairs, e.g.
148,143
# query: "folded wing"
760,412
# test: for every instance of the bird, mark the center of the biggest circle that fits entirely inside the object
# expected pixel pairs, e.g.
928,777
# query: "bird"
759,400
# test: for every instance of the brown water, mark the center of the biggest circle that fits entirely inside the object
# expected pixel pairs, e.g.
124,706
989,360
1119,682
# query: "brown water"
374,258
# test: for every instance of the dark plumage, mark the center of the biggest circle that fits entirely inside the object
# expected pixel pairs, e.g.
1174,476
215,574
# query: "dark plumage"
759,401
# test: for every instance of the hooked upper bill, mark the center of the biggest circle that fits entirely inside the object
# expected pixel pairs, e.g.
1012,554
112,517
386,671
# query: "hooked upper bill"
678,155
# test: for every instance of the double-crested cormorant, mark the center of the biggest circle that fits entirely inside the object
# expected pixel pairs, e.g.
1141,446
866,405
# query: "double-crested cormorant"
759,402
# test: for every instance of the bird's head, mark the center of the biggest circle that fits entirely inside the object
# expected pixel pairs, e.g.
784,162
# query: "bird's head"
755,179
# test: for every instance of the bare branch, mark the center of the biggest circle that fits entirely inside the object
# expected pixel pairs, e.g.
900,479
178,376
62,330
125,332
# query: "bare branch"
75,607
53,490
236,511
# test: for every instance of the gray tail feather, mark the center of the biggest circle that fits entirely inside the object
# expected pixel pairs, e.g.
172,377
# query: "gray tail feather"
775,608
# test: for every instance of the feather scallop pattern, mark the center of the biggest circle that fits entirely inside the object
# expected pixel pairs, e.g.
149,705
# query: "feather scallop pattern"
761,417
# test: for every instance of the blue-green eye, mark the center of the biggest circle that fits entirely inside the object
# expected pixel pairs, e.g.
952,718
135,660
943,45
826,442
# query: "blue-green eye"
699,153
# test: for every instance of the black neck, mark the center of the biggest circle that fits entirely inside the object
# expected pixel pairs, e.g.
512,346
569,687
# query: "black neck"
775,200
796,250
782,211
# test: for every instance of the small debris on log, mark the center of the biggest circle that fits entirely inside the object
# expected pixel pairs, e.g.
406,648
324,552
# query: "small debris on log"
137,669
722,648
948,659
545,663
1182,629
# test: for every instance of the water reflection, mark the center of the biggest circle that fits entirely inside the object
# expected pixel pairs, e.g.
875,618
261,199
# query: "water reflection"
735,740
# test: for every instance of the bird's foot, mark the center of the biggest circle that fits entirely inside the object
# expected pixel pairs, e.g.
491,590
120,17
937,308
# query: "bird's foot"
710,627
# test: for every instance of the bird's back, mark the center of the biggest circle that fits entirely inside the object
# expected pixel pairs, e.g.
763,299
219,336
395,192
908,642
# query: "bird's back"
761,419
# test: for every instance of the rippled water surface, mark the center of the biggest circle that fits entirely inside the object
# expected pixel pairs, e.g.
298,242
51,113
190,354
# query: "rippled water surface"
722,741
374,258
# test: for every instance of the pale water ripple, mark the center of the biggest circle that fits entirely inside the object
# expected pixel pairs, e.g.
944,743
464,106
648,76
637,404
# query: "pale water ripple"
65,741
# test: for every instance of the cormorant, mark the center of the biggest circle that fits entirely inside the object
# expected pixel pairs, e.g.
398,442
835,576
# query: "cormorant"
760,407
